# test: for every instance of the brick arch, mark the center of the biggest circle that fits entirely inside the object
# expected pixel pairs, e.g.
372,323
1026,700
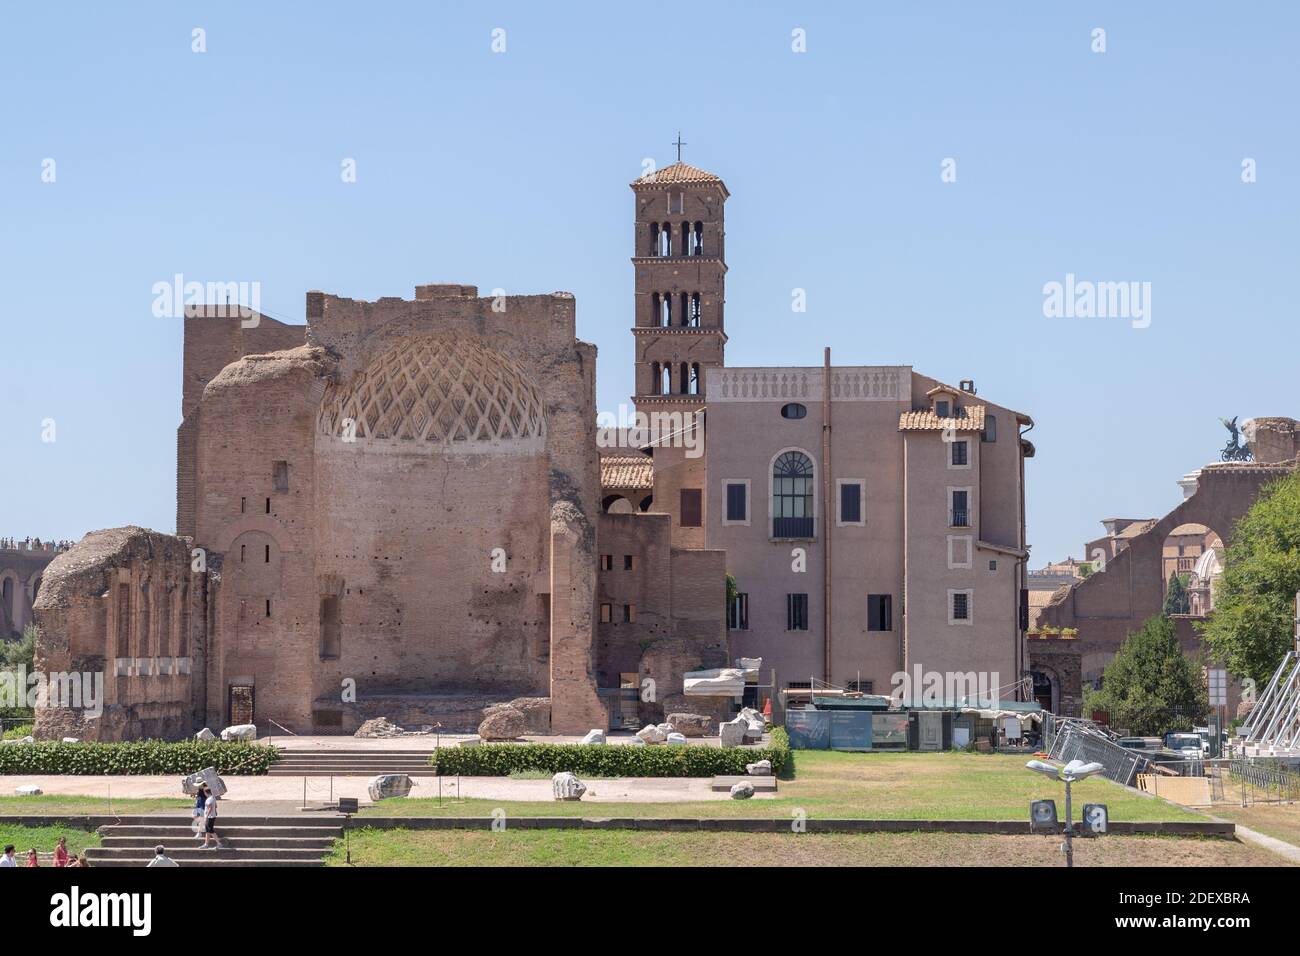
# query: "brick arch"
260,524
1106,606
12,612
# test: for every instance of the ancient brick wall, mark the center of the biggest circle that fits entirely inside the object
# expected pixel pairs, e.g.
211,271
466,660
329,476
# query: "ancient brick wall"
117,605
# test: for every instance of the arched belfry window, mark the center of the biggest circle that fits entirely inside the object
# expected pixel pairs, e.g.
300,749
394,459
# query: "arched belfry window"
792,496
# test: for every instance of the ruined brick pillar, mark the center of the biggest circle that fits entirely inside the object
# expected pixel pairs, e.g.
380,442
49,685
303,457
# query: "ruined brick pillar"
575,705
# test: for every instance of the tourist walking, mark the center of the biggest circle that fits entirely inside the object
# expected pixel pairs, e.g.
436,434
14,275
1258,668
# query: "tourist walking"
8,858
210,841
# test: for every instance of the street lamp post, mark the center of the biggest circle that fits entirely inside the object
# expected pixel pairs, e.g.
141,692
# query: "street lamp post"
1071,772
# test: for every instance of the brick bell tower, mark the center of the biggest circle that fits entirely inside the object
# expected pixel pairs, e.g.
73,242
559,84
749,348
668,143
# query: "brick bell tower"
680,272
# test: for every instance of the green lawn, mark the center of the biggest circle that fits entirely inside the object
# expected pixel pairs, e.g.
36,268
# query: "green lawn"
629,848
62,805
44,839
902,786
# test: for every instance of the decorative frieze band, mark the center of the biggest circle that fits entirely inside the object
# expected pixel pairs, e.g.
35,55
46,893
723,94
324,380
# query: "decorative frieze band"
865,383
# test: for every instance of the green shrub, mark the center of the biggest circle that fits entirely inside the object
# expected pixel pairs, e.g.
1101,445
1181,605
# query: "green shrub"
137,757
660,760
18,732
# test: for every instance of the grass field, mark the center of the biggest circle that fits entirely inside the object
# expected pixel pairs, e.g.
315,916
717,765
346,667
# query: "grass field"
904,786
62,805
44,839
1278,820
629,848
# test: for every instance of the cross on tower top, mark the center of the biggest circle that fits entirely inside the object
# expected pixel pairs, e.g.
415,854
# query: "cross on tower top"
679,144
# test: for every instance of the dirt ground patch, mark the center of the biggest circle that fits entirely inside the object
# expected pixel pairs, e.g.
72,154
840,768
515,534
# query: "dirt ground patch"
1278,820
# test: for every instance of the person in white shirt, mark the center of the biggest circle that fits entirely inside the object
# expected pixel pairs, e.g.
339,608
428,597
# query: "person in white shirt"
160,857
210,841
8,859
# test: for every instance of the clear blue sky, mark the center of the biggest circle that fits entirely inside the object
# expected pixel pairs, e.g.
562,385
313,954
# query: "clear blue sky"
511,170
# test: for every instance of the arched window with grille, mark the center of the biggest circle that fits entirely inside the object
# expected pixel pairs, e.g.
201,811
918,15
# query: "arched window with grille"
792,495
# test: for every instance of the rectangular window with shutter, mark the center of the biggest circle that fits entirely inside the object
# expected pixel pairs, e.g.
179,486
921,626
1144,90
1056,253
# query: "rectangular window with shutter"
796,612
736,503
880,612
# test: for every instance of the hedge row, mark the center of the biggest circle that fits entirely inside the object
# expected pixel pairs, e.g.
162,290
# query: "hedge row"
137,757
660,760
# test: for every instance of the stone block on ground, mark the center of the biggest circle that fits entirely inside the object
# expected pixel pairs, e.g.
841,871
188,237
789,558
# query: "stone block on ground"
30,790
650,734
240,732
732,732
762,768
536,712
71,740
677,739
565,786
742,791
693,725
205,735
503,723
389,785
665,728
594,736
471,741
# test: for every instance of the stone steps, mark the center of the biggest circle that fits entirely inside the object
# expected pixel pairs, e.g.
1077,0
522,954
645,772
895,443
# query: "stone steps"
179,834
148,842
245,841
369,763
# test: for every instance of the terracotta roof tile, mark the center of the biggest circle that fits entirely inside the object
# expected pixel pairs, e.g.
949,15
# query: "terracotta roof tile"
969,419
677,173
635,472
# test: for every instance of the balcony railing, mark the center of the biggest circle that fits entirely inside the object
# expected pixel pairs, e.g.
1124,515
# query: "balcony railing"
792,527
960,518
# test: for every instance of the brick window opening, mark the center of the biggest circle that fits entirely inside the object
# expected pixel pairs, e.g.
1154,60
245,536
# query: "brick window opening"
280,476
268,505
267,558
606,613
331,628
629,562
629,613
607,562
268,607
692,515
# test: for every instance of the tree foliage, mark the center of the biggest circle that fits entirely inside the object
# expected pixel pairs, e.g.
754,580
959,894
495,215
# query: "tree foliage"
1177,600
1151,687
1252,623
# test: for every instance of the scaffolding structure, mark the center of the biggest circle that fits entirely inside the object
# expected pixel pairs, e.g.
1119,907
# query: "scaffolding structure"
1273,727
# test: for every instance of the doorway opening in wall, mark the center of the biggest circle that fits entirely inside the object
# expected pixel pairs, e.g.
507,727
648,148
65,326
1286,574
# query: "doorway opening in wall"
240,704
1043,690
629,694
